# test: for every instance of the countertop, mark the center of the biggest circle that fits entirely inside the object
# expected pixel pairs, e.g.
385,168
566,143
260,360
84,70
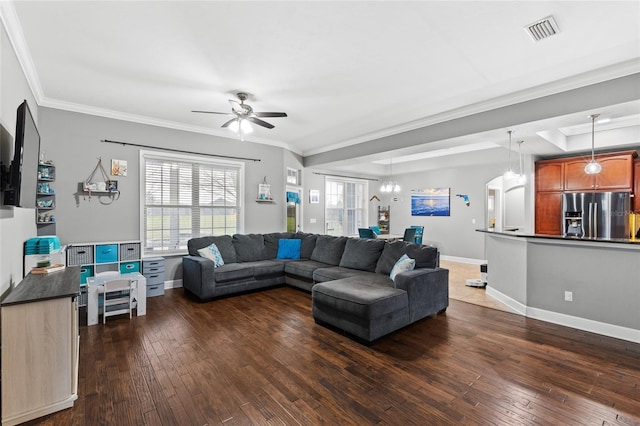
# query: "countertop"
35,288
560,237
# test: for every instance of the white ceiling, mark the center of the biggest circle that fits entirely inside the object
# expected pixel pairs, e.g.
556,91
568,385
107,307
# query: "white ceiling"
345,72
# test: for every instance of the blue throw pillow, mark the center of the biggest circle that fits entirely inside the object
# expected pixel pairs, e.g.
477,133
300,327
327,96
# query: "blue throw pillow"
405,263
211,252
289,248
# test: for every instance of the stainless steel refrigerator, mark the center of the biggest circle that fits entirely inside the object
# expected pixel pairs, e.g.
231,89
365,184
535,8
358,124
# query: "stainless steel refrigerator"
596,214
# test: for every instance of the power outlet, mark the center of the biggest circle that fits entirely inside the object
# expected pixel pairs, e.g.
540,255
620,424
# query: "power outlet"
568,296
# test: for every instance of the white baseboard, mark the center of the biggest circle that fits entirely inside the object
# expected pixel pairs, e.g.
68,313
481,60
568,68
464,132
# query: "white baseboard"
610,330
463,260
172,284
516,306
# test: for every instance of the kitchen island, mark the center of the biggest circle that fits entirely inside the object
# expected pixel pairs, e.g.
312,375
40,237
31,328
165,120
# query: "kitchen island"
535,274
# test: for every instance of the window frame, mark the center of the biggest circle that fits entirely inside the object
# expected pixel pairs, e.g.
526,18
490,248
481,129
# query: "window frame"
365,204
200,159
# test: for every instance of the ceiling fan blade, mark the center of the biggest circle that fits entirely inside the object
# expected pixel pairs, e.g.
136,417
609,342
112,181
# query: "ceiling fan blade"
237,106
228,123
260,122
270,114
212,112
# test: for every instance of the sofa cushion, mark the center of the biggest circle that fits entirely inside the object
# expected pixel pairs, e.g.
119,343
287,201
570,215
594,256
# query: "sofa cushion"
271,242
223,242
361,254
390,255
232,272
307,245
263,268
331,273
359,299
250,247
329,249
211,252
303,268
289,249
404,264
425,256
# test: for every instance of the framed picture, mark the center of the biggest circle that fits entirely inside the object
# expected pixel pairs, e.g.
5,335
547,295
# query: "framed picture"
118,168
431,202
112,185
314,196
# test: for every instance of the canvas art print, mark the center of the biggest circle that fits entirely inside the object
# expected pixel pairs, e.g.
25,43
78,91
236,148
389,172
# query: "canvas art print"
430,202
118,168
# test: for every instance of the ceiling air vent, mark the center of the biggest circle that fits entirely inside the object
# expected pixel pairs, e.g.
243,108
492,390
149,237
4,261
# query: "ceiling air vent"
542,29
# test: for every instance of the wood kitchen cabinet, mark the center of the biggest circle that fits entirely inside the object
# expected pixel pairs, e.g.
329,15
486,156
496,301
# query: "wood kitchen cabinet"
550,176
548,213
616,174
636,185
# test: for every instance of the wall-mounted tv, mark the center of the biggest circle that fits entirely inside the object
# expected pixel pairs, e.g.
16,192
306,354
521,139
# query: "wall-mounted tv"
22,180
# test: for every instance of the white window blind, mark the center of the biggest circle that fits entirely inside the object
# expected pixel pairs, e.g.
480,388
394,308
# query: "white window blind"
345,206
186,198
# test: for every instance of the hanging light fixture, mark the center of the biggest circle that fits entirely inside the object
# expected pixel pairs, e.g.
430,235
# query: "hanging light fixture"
521,179
390,185
593,167
509,174
241,127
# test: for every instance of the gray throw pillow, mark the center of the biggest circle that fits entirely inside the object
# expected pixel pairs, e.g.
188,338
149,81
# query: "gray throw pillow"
425,256
390,254
223,242
307,244
250,247
329,249
361,254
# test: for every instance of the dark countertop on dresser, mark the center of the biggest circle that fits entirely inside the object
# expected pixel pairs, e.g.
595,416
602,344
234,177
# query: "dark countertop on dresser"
560,237
35,288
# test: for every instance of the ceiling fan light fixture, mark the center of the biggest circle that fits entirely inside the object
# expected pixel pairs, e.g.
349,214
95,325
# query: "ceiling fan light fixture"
245,126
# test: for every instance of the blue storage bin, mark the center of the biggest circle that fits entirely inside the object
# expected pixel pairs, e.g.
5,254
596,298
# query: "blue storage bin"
85,272
129,267
106,253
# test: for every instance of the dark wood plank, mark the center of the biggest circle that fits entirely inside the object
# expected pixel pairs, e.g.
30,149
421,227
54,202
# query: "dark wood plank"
259,358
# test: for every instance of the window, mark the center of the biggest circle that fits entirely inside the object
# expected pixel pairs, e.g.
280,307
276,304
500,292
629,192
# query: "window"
186,197
345,206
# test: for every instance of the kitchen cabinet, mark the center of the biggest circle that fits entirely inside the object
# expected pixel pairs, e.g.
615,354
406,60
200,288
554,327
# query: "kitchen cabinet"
548,213
636,185
550,176
616,174
40,343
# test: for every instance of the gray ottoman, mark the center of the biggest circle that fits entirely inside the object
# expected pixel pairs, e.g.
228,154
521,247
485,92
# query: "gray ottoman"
365,311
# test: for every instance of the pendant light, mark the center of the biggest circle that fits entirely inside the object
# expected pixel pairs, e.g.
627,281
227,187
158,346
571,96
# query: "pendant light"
509,174
390,185
521,179
593,167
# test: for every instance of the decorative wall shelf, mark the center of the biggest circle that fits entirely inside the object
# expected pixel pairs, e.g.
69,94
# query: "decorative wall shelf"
261,201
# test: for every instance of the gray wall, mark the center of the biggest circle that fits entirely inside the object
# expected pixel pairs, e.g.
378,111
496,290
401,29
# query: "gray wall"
72,141
16,224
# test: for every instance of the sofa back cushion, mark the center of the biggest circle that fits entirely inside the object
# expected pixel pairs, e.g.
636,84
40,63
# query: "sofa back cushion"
329,249
271,242
250,247
307,245
425,256
223,242
390,254
362,254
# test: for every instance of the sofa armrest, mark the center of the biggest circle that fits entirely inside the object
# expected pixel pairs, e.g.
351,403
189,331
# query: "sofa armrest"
198,276
427,289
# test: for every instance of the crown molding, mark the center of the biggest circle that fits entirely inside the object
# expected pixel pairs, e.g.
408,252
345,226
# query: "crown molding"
151,121
13,28
575,82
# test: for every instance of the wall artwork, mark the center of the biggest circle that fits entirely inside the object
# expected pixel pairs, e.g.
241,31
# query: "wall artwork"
314,196
118,168
430,202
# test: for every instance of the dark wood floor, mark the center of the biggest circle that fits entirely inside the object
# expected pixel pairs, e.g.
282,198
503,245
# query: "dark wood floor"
260,359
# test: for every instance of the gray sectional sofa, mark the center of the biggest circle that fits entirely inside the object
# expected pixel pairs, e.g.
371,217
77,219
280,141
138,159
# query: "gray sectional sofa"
347,277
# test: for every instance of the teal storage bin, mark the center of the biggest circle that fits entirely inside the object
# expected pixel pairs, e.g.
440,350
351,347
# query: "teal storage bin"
129,267
106,253
85,272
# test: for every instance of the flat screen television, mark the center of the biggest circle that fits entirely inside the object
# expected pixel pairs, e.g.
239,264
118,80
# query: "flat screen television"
23,172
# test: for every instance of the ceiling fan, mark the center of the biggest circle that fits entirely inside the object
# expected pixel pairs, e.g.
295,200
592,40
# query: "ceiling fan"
244,115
